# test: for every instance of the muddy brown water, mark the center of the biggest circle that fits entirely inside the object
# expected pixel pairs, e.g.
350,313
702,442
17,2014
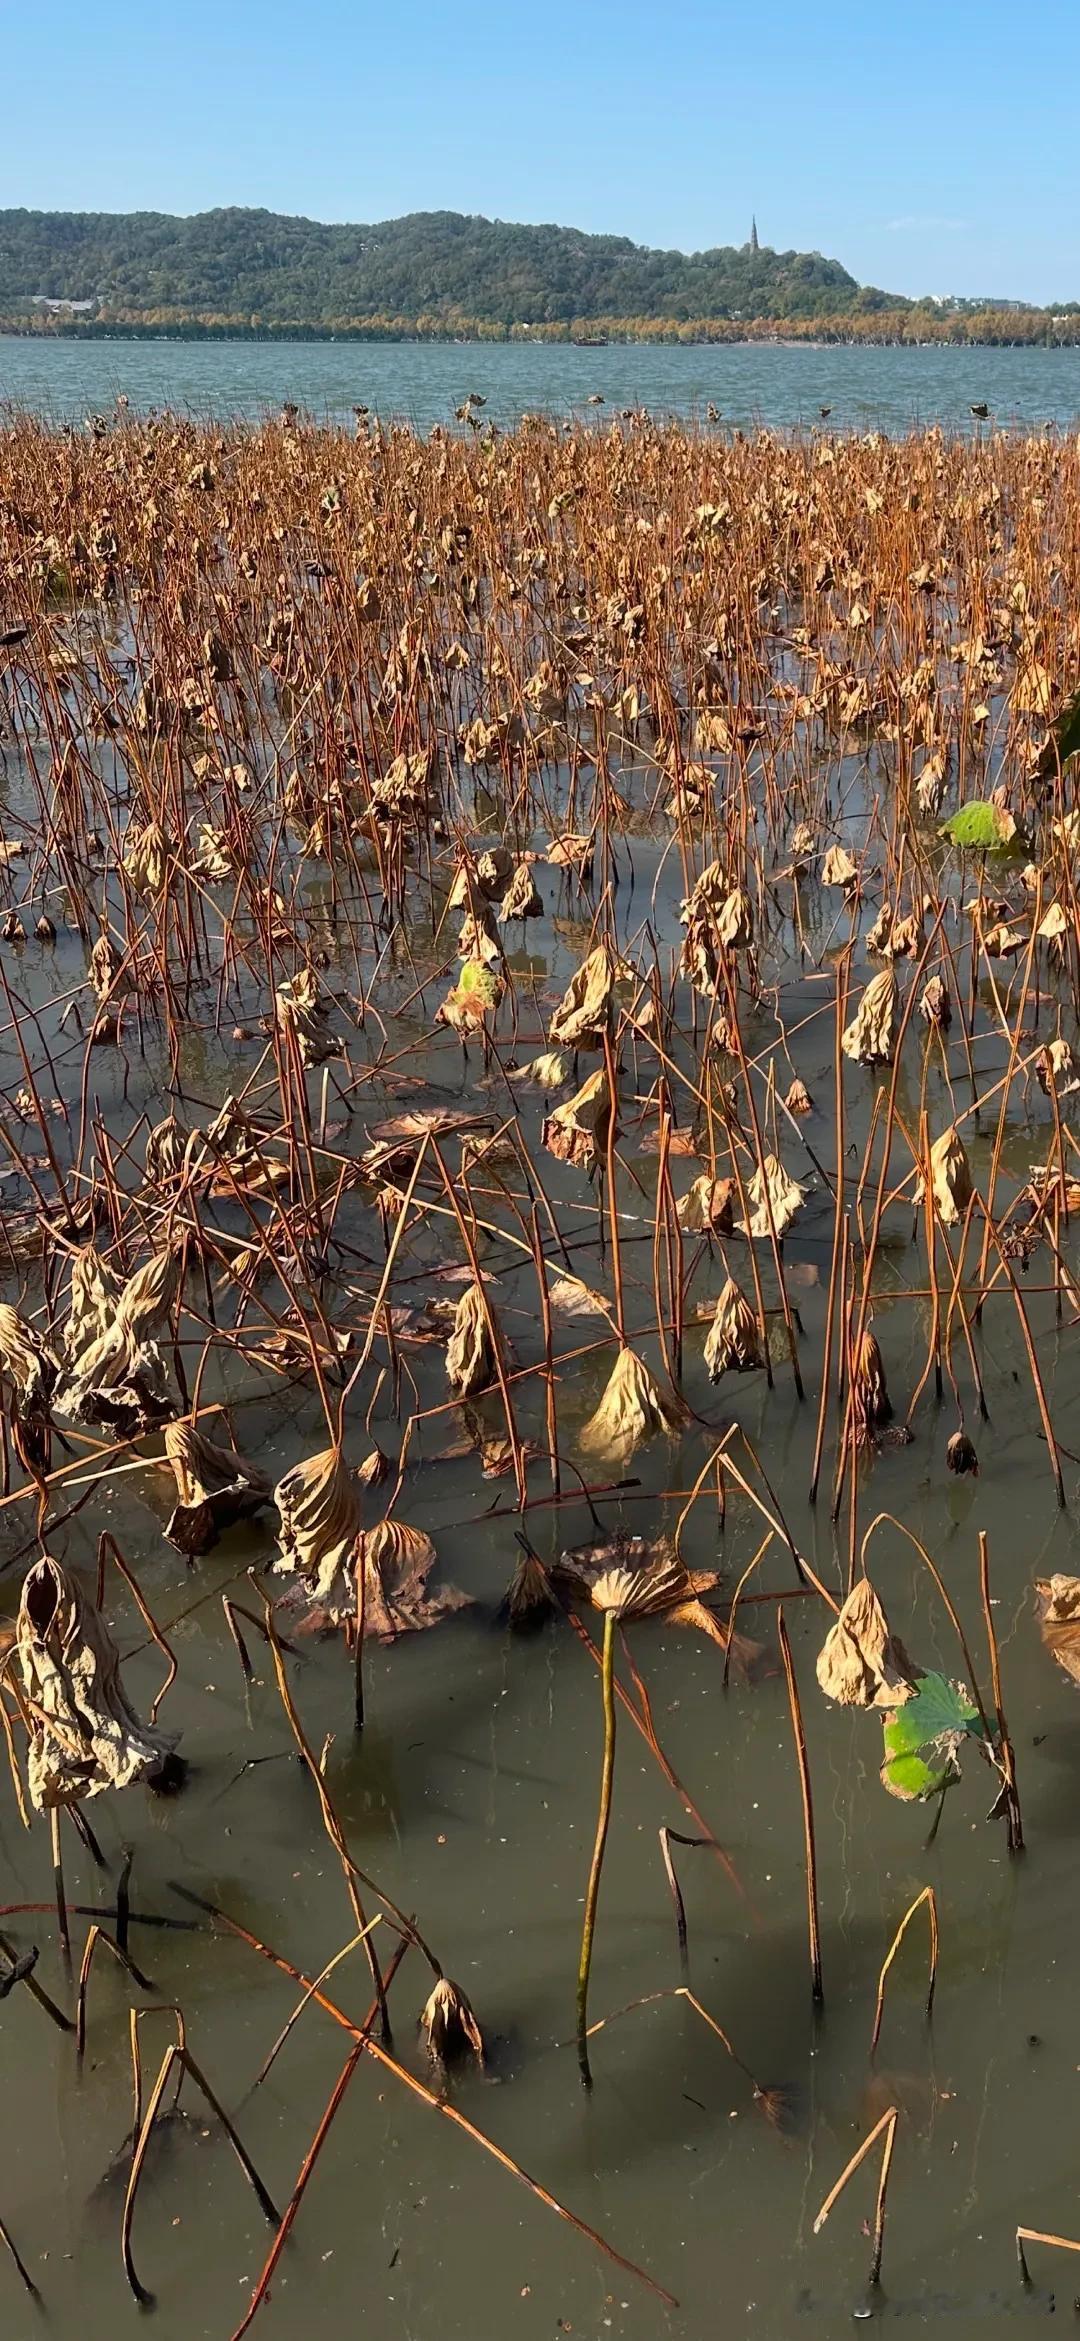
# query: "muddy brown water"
472,1798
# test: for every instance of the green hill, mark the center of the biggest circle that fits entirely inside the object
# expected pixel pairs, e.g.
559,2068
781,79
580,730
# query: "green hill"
439,264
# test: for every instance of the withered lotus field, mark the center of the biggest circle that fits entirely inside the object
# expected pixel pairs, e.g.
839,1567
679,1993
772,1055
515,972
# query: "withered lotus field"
539,1002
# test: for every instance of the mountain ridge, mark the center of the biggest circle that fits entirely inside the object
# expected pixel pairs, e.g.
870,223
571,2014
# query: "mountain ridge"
272,267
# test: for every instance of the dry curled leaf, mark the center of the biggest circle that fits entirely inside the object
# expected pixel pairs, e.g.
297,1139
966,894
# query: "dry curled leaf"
86,1736
708,1203
734,1337
776,1198
398,1560
950,1178
871,1036
1058,1612
861,1662
470,1354
632,1408
577,1131
215,1486
582,1017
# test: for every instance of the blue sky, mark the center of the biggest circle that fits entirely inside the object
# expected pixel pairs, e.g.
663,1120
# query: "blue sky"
931,148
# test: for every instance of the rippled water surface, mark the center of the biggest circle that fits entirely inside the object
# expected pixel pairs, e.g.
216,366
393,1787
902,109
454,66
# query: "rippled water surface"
880,389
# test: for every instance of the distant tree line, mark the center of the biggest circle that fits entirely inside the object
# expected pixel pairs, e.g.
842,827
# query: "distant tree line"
434,274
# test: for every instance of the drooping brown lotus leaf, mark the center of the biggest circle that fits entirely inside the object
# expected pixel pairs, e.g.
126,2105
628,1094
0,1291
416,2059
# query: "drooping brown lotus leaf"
735,921
871,1036
301,1007
215,1485
707,895
105,964
398,1561
1058,1611
522,899
94,1298
450,2026
479,938
776,1198
699,963
86,1735
906,938
1057,1066
707,1204
571,852
837,868
877,935
528,1599
950,1178
935,1005
486,743
28,1361
700,915
798,1099
871,1404
861,1662
214,858
320,1522
118,1379
733,1340
582,1016
470,1353
488,875
549,1071
1001,941
149,853
148,1296
632,1408
577,1131
403,792
165,1144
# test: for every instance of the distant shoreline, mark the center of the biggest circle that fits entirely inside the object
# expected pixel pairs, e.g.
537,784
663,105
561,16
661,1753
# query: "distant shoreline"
12,329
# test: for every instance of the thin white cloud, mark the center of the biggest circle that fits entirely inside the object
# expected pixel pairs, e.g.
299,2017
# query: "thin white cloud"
924,219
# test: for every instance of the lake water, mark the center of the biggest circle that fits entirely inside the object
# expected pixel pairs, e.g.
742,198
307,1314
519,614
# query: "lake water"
867,389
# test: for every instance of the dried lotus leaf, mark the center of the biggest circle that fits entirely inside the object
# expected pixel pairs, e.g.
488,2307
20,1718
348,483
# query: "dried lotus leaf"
871,1036
302,1008
470,1354
320,1521
734,1337
708,1203
148,855
95,1295
28,1362
582,1016
165,1146
86,1735
950,1178
632,1408
1058,1612
398,1560
837,868
522,899
215,1485
776,1198
577,1131
861,1663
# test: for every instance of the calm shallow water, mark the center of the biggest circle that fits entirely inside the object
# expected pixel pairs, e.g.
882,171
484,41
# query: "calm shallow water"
472,1798
881,389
